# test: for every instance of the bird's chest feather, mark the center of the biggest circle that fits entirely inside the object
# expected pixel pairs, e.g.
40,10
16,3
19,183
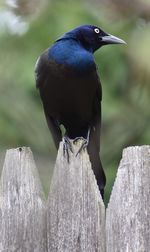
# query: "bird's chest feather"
69,92
72,55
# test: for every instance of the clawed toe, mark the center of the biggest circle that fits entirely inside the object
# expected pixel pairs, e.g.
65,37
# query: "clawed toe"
83,146
78,138
66,147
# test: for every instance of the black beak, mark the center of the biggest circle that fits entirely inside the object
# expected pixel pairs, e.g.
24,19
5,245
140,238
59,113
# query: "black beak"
110,39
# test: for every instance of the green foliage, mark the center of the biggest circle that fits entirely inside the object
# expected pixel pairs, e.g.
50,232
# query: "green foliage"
124,72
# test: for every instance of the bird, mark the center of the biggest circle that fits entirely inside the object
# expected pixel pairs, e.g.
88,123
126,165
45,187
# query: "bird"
70,89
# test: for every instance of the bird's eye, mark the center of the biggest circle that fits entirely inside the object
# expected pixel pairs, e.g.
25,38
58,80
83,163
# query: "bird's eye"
97,30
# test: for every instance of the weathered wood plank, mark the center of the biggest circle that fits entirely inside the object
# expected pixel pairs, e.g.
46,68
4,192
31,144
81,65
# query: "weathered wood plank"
76,213
128,213
22,205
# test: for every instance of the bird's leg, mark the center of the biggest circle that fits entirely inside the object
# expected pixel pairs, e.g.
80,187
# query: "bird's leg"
66,147
85,142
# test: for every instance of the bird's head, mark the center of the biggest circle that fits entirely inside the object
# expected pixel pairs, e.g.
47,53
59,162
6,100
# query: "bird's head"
91,37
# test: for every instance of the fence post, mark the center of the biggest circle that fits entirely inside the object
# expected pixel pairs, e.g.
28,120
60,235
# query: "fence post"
76,213
75,210
128,212
22,205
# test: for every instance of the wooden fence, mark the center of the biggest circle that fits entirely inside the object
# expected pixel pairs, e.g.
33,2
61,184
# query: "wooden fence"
73,219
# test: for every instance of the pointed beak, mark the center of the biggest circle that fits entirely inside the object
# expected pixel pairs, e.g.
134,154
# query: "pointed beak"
110,39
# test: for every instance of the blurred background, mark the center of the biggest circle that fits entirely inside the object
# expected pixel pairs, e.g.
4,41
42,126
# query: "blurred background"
27,28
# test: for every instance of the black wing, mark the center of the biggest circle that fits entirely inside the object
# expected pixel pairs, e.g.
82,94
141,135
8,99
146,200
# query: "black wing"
41,69
94,142
41,73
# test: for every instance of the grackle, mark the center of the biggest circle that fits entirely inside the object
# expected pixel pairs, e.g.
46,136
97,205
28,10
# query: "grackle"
70,89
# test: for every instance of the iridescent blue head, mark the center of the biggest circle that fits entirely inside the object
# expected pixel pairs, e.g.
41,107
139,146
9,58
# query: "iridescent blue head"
76,47
91,37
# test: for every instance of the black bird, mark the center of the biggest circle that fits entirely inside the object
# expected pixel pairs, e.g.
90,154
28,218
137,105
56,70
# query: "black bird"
70,89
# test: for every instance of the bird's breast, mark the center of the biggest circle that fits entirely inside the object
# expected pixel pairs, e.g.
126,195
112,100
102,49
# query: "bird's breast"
71,54
68,95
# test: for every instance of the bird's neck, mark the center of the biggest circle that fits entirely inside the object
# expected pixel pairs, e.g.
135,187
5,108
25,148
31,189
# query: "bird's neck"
71,53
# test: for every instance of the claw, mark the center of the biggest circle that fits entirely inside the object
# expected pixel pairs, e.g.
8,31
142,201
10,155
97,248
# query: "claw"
66,147
84,144
78,138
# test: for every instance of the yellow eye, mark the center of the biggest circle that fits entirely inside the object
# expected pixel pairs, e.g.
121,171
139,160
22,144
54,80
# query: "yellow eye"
97,30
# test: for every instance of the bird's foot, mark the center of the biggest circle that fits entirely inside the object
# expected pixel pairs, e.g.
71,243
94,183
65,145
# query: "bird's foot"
66,147
84,144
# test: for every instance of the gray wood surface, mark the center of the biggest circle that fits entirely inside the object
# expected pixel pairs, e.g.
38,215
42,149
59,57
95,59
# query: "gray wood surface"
128,212
76,213
22,204
73,220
